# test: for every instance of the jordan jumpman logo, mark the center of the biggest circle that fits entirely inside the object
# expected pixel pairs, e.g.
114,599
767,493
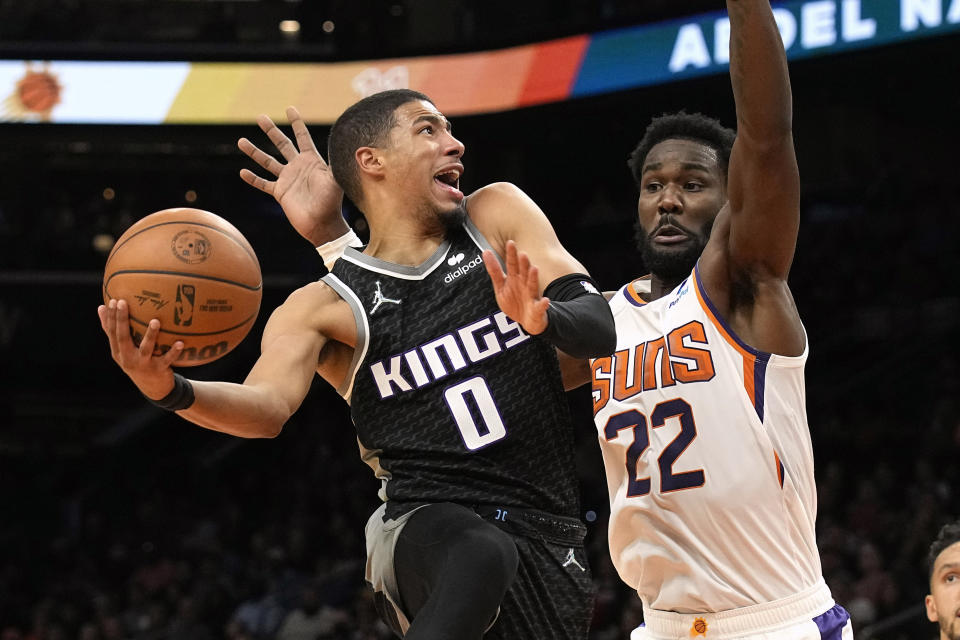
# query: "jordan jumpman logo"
379,299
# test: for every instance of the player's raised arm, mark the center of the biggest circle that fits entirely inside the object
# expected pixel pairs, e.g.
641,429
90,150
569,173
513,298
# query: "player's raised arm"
544,288
763,182
745,264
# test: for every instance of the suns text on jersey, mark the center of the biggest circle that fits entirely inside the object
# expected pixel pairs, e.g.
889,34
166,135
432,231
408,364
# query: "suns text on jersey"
682,356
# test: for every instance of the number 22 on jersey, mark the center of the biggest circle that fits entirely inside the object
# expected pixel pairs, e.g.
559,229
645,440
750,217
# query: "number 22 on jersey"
634,425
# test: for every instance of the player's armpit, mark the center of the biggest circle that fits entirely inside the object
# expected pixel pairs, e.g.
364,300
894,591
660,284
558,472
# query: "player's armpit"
334,363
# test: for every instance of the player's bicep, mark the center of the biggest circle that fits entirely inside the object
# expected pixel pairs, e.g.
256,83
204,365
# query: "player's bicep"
290,350
764,201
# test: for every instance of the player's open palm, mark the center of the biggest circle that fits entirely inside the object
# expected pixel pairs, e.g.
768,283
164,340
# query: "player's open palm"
153,374
518,290
304,184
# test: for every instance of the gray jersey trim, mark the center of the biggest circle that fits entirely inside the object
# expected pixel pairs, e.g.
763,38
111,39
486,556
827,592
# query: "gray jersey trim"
480,240
363,331
403,271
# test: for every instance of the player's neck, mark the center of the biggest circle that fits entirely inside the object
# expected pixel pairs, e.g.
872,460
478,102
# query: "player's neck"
403,241
660,287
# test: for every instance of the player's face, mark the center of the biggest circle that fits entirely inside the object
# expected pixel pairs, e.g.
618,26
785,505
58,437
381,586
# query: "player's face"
424,158
681,192
943,603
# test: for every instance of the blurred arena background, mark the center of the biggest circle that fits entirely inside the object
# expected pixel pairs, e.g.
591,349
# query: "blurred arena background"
120,521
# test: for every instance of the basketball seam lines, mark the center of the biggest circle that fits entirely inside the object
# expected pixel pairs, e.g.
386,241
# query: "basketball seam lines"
199,224
182,275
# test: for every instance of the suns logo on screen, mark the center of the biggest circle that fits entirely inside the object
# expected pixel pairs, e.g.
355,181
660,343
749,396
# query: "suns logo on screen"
35,95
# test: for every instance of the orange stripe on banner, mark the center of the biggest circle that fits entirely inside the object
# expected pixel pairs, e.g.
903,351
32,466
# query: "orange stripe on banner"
776,457
475,82
553,70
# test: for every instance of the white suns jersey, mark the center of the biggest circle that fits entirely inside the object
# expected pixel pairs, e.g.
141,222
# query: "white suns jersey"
708,458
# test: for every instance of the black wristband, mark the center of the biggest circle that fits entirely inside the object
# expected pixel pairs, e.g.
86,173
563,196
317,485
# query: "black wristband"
180,397
579,321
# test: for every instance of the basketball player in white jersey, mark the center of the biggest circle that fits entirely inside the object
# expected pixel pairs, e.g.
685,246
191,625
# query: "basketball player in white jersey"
701,411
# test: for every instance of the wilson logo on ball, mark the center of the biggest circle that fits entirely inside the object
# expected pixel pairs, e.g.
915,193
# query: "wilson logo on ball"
191,246
206,352
197,354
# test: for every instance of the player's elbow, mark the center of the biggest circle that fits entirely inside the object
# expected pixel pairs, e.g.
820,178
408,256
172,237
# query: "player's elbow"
608,338
583,327
270,429
273,415
276,421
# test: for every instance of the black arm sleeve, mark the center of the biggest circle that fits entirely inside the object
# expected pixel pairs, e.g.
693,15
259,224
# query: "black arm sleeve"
579,321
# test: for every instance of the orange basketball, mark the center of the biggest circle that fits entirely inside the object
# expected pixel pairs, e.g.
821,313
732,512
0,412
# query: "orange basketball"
193,271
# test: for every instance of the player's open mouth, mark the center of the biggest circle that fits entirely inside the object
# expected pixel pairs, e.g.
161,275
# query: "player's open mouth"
449,180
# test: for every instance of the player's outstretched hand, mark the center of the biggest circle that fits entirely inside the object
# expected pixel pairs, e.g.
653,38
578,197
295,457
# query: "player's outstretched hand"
304,185
518,290
152,374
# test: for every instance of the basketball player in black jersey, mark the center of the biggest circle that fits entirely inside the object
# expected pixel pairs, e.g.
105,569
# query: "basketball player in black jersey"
453,382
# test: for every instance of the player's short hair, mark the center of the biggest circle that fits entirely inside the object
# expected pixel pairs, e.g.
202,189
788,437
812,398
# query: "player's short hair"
366,123
683,126
949,535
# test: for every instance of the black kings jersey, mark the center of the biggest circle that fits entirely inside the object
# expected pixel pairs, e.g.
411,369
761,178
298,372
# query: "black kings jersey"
451,400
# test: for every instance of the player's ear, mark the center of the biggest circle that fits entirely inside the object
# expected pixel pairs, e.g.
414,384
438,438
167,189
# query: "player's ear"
931,604
369,160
